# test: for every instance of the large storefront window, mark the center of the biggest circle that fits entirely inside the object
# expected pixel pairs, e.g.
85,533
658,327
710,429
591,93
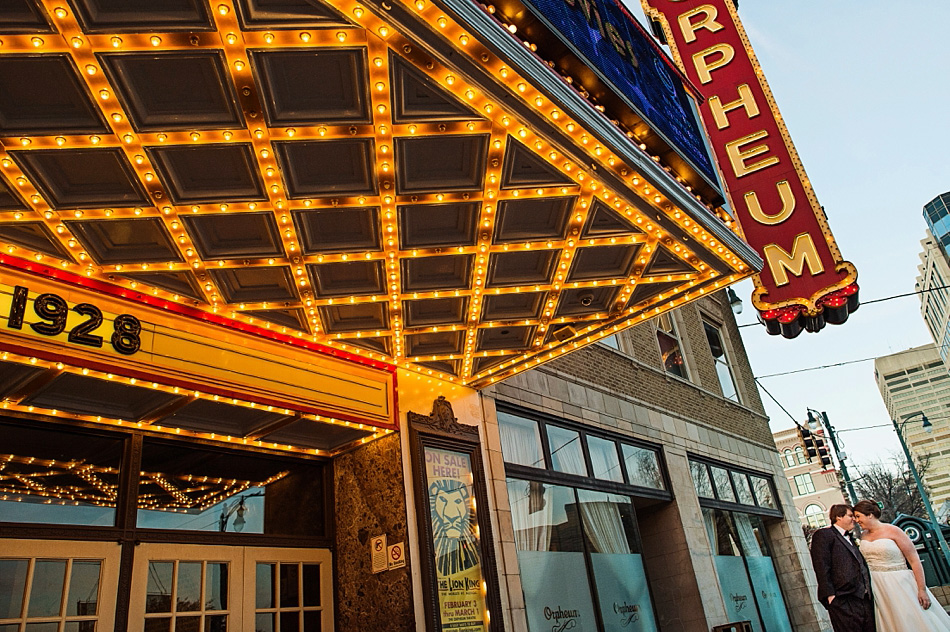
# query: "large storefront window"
227,491
734,504
576,526
51,476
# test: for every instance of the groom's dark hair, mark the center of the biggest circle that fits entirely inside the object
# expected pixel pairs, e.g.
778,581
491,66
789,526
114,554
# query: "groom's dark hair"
837,511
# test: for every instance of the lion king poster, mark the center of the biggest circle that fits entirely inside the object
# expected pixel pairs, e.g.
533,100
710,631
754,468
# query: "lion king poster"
455,540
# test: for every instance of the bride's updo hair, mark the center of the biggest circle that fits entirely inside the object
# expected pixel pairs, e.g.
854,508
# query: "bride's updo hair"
868,508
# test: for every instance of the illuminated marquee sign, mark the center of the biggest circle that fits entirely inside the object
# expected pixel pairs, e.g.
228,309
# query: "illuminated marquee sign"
805,282
617,49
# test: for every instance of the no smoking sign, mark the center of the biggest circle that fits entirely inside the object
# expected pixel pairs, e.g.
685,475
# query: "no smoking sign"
397,555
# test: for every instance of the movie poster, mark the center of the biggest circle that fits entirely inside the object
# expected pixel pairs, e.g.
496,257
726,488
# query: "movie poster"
455,540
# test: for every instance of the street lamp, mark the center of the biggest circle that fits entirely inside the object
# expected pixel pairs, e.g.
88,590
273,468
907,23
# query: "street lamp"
899,429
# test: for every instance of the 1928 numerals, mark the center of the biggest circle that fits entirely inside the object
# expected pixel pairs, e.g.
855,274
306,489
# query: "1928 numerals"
53,311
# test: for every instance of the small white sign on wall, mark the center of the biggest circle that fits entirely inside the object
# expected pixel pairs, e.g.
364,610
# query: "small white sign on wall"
379,552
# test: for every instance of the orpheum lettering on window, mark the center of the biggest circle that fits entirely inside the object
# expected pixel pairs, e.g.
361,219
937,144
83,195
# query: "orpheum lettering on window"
805,282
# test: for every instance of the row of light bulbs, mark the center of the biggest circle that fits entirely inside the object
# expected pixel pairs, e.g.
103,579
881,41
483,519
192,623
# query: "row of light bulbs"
449,81
8,356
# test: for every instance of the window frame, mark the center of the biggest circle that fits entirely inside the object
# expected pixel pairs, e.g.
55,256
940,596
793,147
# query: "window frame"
677,337
549,475
806,516
726,358
789,457
800,455
799,479
126,526
717,503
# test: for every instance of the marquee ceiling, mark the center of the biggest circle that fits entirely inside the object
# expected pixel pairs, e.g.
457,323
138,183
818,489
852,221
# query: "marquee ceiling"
373,179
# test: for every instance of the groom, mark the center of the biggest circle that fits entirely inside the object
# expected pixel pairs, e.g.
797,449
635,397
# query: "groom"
844,583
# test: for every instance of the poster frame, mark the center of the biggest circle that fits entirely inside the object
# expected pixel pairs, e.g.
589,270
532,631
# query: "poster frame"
441,430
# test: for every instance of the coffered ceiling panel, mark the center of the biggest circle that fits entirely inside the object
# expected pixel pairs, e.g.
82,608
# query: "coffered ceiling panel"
269,14
9,200
142,16
23,16
196,174
174,91
313,86
82,178
338,230
327,168
234,235
53,101
34,236
139,240
374,180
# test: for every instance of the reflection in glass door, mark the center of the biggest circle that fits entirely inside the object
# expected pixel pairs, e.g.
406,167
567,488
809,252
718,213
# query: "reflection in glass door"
52,586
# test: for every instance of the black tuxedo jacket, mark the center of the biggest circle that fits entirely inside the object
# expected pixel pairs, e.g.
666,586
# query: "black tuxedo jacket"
839,566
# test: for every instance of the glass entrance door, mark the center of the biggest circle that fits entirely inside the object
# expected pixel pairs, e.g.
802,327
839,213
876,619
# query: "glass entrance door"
196,588
54,586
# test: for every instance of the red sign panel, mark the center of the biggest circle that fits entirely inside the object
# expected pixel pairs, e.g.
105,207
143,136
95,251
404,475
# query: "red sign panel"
805,282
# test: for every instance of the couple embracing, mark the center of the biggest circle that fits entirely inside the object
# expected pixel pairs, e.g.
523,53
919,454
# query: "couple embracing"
875,583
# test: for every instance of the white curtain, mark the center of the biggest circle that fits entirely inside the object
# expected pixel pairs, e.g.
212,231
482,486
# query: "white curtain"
602,522
531,513
709,520
566,452
750,544
520,442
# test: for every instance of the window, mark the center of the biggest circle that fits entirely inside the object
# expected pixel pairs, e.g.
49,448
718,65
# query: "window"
579,453
611,341
815,516
744,566
800,455
722,484
669,341
574,540
723,369
789,459
804,484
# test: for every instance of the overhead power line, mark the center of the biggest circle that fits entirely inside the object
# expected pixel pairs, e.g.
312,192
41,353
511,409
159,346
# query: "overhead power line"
878,300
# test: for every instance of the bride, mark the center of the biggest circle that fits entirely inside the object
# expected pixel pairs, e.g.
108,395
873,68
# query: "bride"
902,602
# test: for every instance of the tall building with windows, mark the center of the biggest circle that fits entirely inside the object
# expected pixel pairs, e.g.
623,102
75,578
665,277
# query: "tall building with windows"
937,216
932,282
917,381
814,488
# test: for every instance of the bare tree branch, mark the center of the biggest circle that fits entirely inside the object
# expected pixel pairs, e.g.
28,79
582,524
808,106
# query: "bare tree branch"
892,484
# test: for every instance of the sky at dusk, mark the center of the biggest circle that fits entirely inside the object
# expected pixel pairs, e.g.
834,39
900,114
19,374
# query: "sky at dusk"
863,89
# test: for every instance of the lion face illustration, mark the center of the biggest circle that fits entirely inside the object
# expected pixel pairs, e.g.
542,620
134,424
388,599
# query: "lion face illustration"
452,529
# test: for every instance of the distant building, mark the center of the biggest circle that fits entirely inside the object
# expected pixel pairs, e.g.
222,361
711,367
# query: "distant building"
814,488
932,281
937,215
915,381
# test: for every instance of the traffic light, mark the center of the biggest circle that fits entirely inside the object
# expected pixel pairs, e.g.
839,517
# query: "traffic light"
822,448
808,442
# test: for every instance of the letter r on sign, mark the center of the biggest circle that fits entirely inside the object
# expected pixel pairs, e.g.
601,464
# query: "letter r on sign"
708,21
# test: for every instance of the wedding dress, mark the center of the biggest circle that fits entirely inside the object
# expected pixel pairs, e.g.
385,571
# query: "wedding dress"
896,608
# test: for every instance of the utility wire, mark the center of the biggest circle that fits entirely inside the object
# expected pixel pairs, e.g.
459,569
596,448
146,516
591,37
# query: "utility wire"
795,421
831,366
878,300
816,368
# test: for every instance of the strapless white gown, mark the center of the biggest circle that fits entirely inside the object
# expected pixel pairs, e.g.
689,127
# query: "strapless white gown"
896,608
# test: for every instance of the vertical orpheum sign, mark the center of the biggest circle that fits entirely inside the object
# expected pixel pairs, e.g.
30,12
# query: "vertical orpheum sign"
805,282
